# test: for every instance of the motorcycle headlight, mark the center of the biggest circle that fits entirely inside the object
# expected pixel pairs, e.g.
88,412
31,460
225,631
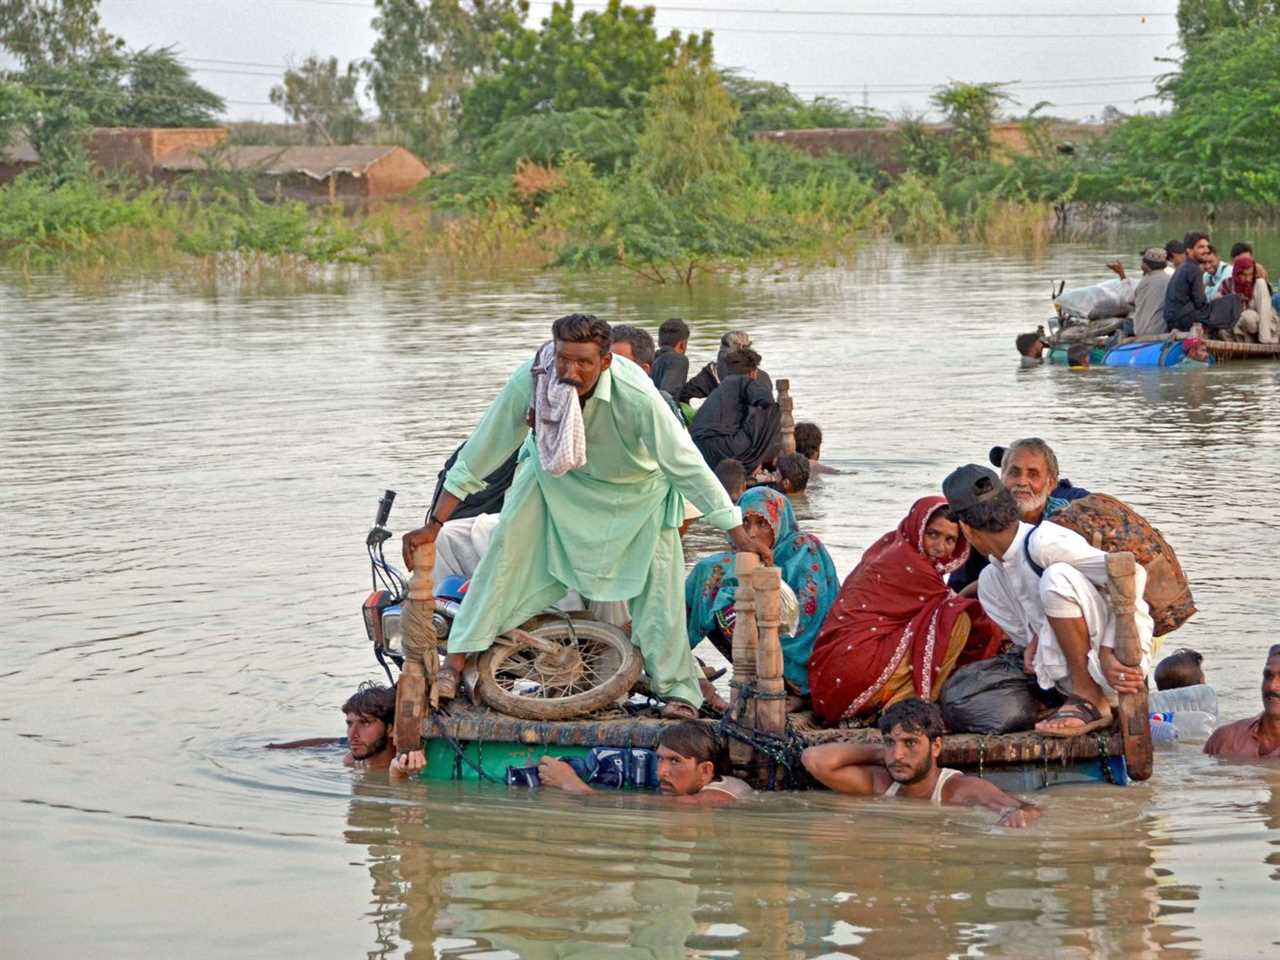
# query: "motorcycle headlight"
392,634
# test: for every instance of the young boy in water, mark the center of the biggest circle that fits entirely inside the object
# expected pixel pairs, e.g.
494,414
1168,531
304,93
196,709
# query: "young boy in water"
1182,668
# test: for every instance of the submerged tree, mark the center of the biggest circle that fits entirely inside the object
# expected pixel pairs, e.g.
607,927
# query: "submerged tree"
323,99
688,129
971,108
427,55
607,59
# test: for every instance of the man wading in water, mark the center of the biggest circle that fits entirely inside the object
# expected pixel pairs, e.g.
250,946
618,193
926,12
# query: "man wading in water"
907,766
595,506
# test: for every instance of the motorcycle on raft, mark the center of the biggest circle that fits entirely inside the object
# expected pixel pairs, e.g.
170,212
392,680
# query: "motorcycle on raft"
556,666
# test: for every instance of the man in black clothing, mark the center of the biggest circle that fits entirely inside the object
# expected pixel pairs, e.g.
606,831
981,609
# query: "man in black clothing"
704,383
1184,301
740,419
671,366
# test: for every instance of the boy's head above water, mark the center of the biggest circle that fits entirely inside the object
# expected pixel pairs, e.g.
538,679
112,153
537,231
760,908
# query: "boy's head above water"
1179,669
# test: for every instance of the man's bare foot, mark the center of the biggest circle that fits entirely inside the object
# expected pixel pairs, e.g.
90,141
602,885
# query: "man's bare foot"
712,699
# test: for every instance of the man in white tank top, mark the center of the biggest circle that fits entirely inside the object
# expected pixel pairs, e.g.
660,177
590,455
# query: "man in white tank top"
687,754
905,764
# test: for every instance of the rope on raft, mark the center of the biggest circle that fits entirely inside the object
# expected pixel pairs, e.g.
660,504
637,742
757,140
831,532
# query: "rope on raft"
781,753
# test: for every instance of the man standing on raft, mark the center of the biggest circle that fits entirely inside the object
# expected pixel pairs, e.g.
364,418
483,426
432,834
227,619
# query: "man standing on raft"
595,506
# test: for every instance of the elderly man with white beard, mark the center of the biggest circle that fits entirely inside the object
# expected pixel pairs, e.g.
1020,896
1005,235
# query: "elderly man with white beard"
1029,471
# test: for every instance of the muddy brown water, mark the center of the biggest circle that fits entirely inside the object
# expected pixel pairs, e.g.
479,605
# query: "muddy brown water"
187,479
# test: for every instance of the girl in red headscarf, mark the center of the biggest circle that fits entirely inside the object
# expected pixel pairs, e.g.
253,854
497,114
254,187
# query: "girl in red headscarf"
896,630
1257,318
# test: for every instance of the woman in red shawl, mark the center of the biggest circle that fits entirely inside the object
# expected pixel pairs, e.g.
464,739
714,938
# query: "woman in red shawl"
896,630
1257,317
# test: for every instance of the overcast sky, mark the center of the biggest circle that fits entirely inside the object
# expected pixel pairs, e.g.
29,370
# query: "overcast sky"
1081,56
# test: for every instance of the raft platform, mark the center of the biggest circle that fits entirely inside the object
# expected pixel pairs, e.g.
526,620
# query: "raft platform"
474,743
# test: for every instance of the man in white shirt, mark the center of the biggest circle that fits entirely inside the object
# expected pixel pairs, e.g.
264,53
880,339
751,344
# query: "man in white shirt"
1046,587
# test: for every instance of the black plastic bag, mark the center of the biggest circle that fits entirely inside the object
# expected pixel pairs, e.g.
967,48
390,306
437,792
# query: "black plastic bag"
990,696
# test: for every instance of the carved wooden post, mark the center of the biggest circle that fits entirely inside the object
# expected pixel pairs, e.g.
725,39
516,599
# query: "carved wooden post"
744,655
1135,725
771,708
788,416
418,674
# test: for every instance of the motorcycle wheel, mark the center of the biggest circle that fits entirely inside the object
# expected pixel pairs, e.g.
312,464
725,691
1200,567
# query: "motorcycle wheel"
599,668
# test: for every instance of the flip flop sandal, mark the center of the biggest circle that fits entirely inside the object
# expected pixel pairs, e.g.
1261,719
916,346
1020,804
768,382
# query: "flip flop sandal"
1075,708
446,685
677,709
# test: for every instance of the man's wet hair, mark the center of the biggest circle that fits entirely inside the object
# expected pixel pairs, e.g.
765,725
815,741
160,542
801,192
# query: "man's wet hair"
990,516
808,439
742,360
794,468
914,716
641,341
1179,669
373,700
1241,247
732,476
1175,246
1274,651
1024,342
1192,238
692,739
672,332
582,328
1037,446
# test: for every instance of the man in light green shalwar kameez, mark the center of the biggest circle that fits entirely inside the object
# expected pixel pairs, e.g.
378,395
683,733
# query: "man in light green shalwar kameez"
608,529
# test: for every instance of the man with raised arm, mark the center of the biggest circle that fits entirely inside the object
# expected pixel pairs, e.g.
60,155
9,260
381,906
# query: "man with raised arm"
596,503
905,765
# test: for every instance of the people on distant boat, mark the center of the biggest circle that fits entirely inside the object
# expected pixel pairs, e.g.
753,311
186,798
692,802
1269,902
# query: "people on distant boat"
1185,302
732,476
371,714
1176,254
793,473
1257,323
895,630
1148,310
1182,668
671,367
740,419
809,442
1254,738
595,506
636,344
1030,348
705,381
806,568
1029,470
1046,588
1215,271
687,760
905,765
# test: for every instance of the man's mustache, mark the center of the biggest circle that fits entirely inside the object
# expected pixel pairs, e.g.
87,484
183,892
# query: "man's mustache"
570,382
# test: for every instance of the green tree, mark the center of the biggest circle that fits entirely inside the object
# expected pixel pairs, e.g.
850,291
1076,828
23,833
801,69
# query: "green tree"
971,108
763,105
322,98
688,130
1197,19
608,58
427,55
52,32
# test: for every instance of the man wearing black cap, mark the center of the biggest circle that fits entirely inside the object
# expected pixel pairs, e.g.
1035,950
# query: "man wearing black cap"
1046,586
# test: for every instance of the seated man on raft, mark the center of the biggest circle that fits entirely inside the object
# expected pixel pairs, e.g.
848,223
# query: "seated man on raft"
687,755
595,506
1046,588
905,764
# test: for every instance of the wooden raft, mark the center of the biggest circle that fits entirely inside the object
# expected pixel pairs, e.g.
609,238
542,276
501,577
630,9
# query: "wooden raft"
466,723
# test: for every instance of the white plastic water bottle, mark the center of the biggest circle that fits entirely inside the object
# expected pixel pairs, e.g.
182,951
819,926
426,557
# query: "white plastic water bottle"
1200,696
1193,725
1163,732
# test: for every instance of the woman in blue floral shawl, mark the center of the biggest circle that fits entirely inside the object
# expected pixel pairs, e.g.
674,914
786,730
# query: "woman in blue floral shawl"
806,568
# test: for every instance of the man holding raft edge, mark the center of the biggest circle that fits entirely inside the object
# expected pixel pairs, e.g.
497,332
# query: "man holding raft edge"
595,506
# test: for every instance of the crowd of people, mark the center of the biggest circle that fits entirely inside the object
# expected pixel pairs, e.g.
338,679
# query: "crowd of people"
601,472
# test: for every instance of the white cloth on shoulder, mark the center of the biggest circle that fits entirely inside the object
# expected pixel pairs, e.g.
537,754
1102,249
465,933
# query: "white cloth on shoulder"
557,414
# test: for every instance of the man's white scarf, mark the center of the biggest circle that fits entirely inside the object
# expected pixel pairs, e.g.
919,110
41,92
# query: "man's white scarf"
557,417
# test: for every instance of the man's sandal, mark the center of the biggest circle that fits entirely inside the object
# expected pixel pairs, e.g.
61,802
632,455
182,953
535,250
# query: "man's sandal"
1075,708
446,685
677,709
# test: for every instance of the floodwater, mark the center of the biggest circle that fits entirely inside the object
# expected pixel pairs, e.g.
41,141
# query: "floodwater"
186,482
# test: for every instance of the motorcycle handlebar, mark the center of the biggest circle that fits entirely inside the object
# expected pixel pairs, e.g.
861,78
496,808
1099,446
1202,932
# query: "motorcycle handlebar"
384,508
